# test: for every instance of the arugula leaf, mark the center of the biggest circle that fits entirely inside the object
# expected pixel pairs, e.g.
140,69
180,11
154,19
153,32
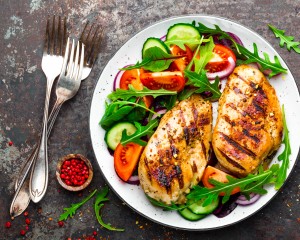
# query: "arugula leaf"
114,113
186,93
203,84
253,183
165,207
284,39
182,42
141,131
284,156
100,198
206,54
69,212
265,63
217,31
154,60
132,92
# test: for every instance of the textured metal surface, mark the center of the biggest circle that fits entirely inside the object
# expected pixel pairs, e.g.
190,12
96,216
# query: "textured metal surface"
22,93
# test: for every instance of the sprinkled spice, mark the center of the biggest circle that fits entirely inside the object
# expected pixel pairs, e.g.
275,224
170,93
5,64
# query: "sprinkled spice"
60,223
27,221
23,232
8,224
26,214
95,233
74,172
10,143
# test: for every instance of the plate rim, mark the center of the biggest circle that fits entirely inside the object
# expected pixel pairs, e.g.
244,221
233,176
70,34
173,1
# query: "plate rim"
175,17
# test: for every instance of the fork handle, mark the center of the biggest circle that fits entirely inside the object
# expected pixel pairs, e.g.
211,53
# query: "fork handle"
39,174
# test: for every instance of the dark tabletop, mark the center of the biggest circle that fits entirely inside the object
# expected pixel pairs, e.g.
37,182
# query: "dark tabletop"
22,93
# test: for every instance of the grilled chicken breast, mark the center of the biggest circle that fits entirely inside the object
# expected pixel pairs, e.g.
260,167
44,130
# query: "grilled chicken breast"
249,124
177,153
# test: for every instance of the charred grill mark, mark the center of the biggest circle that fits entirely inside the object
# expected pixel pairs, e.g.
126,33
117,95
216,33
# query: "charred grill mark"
194,167
186,135
174,150
227,119
203,149
243,79
258,107
231,161
253,137
237,146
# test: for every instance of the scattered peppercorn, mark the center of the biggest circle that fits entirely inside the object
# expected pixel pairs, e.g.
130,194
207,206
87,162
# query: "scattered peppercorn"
60,223
23,232
95,233
26,214
10,143
74,172
27,228
8,224
27,221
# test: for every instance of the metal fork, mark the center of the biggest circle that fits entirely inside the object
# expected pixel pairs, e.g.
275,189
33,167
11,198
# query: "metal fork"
68,85
51,64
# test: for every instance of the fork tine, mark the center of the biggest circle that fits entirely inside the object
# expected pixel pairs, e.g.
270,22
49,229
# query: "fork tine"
81,62
46,44
75,69
96,49
65,36
52,38
59,36
71,62
65,62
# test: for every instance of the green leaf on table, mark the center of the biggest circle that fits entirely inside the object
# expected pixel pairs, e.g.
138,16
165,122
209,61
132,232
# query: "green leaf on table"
99,203
265,63
202,84
140,132
285,40
132,92
284,156
69,212
154,60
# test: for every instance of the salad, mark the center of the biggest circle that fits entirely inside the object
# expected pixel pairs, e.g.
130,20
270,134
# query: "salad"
191,58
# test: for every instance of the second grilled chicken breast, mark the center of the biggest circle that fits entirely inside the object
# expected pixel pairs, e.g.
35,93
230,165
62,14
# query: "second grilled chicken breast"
249,124
177,153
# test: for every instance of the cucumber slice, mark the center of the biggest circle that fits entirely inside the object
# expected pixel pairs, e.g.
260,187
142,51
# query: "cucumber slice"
154,42
114,135
197,207
189,215
184,31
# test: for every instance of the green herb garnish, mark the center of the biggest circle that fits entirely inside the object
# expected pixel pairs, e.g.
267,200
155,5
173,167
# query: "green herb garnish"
140,132
154,60
69,212
132,92
100,198
265,63
202,84
285,40
284,156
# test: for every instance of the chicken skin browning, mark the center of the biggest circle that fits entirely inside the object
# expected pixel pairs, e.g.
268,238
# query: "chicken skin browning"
249,124
177,153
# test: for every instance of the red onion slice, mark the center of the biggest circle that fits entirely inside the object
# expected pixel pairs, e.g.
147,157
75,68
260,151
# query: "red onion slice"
243,201
117,78
222,74
134,180
159,112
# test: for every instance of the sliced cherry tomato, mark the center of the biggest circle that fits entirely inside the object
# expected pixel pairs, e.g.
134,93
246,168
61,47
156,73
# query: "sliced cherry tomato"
181,63
133,77
222,63
126,159
173,81
216,174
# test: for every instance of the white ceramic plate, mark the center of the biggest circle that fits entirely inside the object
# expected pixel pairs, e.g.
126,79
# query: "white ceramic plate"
130,53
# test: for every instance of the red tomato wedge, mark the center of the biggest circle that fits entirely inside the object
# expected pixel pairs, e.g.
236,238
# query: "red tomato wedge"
173,81
133,77
222,63
181,63
126,159
216,174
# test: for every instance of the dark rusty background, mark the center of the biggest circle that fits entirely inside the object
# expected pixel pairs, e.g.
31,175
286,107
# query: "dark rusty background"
22,93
